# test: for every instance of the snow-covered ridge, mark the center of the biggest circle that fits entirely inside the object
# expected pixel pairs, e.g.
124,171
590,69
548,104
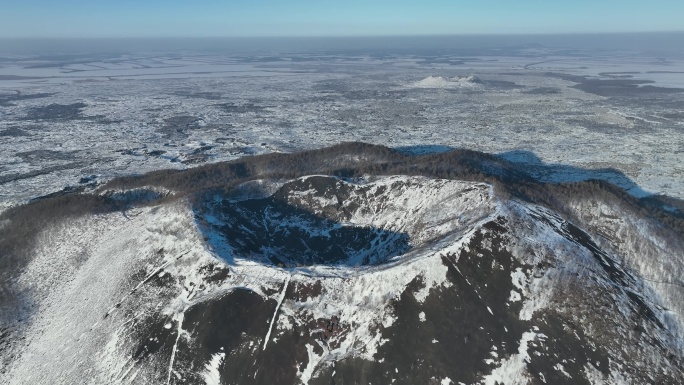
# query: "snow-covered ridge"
255,189
137,195
645,247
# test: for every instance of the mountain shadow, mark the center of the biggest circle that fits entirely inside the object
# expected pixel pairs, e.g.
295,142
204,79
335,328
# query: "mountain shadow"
270,230
530,164
424,149
562,173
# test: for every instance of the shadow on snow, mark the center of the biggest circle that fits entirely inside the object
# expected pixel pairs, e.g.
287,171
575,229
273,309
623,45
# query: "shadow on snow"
269,230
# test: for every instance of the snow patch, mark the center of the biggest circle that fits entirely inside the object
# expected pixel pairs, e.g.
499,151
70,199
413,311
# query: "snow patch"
311,365
561,369
513,370
211,373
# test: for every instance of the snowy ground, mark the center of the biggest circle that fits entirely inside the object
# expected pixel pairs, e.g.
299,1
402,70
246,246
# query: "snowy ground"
63,118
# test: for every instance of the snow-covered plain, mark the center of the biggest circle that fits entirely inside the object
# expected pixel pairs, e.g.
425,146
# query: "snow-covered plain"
135,277
63,119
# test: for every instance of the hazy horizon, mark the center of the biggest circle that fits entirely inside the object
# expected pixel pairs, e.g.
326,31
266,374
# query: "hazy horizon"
655,42
265,18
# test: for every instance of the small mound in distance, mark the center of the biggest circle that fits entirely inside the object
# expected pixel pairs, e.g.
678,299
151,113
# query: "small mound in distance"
446,82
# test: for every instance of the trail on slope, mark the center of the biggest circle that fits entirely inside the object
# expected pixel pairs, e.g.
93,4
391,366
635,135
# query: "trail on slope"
277,309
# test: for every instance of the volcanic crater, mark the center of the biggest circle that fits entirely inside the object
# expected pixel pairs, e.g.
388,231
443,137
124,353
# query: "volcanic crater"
323,220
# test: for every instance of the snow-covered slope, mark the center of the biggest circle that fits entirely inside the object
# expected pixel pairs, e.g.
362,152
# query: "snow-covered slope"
322,280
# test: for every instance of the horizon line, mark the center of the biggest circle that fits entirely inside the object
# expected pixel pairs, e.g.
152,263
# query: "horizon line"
345,36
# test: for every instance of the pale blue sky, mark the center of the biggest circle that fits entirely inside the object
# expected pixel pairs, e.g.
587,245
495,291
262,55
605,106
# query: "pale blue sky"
175,18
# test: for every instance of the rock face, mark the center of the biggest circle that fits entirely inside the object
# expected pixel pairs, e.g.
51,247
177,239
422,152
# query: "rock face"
327,280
